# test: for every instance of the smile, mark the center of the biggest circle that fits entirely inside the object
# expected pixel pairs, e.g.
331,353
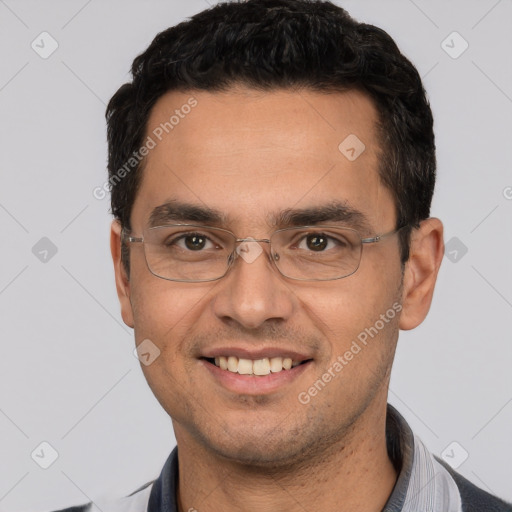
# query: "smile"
256,367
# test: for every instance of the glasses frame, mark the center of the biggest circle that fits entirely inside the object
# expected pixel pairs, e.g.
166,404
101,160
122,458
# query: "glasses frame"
125,237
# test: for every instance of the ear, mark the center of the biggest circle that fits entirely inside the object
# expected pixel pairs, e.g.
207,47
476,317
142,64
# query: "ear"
122,281
426,254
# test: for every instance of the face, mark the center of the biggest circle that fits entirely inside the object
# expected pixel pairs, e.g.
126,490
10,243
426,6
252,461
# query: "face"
250,156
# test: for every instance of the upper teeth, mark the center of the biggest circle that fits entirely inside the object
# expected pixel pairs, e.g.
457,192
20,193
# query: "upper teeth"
255,367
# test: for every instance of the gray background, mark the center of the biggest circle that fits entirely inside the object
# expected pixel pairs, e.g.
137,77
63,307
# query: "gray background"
67,372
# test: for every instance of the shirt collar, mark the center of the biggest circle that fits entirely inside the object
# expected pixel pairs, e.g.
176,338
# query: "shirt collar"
400,444
423,484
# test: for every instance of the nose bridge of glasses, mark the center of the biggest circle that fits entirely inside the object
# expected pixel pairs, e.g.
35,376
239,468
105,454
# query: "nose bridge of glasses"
249,249
250,239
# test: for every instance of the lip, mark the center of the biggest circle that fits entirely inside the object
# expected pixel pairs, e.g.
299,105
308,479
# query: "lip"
254,384
243,353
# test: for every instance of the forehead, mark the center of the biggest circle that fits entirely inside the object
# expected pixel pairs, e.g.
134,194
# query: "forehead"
248,153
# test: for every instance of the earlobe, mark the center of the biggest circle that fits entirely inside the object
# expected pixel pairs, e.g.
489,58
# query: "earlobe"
420,275
122,281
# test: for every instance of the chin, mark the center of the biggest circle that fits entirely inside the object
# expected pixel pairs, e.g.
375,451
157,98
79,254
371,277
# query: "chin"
259,446
258,454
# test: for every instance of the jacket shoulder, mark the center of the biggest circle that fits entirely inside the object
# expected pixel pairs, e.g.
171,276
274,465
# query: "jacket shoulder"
473,498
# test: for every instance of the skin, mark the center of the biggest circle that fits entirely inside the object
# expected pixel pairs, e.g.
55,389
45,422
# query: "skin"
247,154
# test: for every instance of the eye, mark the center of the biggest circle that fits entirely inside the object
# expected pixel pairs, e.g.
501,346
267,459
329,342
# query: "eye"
192,242
316,242
319,242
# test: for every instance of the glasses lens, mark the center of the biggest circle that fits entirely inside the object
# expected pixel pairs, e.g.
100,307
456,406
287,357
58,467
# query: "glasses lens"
316,253
188,253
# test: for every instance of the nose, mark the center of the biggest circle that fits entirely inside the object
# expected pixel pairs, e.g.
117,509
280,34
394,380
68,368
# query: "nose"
253,292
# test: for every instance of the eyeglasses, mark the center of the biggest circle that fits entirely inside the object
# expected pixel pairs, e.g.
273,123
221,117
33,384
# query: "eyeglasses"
193,253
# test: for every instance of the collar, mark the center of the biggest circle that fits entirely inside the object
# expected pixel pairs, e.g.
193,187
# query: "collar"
423,484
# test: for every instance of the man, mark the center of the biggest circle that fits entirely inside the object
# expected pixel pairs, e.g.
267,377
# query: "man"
272,166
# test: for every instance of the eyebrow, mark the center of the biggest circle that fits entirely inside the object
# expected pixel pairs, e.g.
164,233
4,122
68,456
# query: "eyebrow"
333,212
184,212
177,211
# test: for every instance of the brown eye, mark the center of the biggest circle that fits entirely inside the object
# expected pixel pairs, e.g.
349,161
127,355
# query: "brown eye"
195,242
317,242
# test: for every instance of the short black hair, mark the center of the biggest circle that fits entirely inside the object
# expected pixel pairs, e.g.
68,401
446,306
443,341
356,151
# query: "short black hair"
282,44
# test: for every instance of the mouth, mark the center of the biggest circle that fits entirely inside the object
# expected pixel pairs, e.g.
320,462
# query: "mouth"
255,373
255,370
255,367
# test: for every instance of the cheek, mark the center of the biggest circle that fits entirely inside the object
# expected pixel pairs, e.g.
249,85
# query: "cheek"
167,314
344,309
166,311
361,331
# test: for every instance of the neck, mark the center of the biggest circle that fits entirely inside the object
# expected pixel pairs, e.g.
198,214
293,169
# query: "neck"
354,473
